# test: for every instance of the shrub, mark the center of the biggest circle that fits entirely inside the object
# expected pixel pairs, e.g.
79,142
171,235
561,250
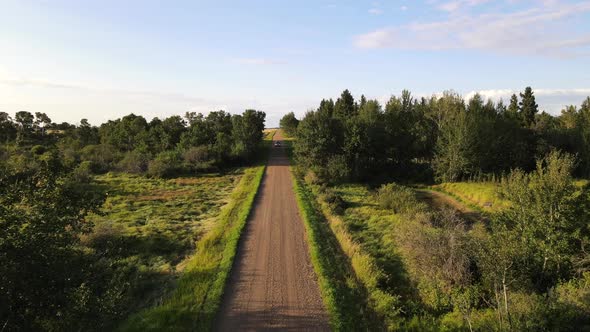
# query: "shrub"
334,201
400,199
102,156
198,157
337,169
311,178
83,173
165,164
38,149
133,162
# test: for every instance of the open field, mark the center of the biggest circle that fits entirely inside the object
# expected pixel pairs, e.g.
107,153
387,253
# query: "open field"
148,228
195,299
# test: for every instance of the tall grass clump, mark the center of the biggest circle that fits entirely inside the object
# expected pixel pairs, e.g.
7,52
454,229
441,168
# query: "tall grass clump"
399,199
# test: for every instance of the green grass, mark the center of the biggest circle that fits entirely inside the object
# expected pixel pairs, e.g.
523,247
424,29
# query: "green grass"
366,235
145,232
343,294
196,297
482,196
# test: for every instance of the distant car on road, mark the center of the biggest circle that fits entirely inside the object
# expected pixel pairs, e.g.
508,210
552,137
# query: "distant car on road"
277,144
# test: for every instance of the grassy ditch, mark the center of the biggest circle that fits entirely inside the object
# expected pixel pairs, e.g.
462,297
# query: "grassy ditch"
343,294
371,256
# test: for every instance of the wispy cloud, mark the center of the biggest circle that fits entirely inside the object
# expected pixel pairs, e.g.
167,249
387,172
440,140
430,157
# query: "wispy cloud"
453,6
49,84
375,11
543,29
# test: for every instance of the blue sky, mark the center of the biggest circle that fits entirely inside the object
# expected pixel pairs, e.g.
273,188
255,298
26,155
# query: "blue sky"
104,59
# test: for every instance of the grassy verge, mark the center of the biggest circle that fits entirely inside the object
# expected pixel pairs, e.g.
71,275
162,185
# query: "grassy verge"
363,238
481,196
343,295
195,300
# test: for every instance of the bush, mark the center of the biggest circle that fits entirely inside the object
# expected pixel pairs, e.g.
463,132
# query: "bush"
198,157
166,164
400,199
312,178
38,149
334,201
337,169
102,157
133,162
83,173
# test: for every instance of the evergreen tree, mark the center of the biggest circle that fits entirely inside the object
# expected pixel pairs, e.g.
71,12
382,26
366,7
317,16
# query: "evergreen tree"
528,107
512,110
345,106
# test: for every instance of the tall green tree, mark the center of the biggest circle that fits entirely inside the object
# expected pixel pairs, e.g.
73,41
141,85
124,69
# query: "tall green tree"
7,128
247,132
512,110
345,106
548,217
289,124
528,107
24,121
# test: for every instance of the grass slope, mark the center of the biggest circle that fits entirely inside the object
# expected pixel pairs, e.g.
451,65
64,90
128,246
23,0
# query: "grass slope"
343,295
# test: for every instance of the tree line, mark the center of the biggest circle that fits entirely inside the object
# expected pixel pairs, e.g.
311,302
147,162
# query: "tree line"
442,138
132,144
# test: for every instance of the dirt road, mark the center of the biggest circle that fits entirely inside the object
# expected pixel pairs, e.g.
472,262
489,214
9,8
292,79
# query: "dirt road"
272,285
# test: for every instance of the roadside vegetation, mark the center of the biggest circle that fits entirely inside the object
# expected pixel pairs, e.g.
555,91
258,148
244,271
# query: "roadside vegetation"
426,267
130,218
484,196
197,296
343,295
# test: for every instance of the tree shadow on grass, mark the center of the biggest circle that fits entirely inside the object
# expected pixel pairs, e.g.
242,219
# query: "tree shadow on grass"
350,295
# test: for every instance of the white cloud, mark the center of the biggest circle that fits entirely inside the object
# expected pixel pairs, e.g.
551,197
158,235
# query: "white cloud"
540,30
403,8
506,93
375,11
453,6
549,100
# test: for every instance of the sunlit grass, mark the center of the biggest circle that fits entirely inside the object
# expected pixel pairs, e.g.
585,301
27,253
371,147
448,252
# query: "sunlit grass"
480,195
195,300
147,228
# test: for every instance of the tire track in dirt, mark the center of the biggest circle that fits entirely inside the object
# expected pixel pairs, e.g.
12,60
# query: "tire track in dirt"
272,285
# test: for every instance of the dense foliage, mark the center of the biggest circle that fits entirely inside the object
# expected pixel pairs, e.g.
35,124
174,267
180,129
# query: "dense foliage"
289,124
442,138
522,266
132,144
57,272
